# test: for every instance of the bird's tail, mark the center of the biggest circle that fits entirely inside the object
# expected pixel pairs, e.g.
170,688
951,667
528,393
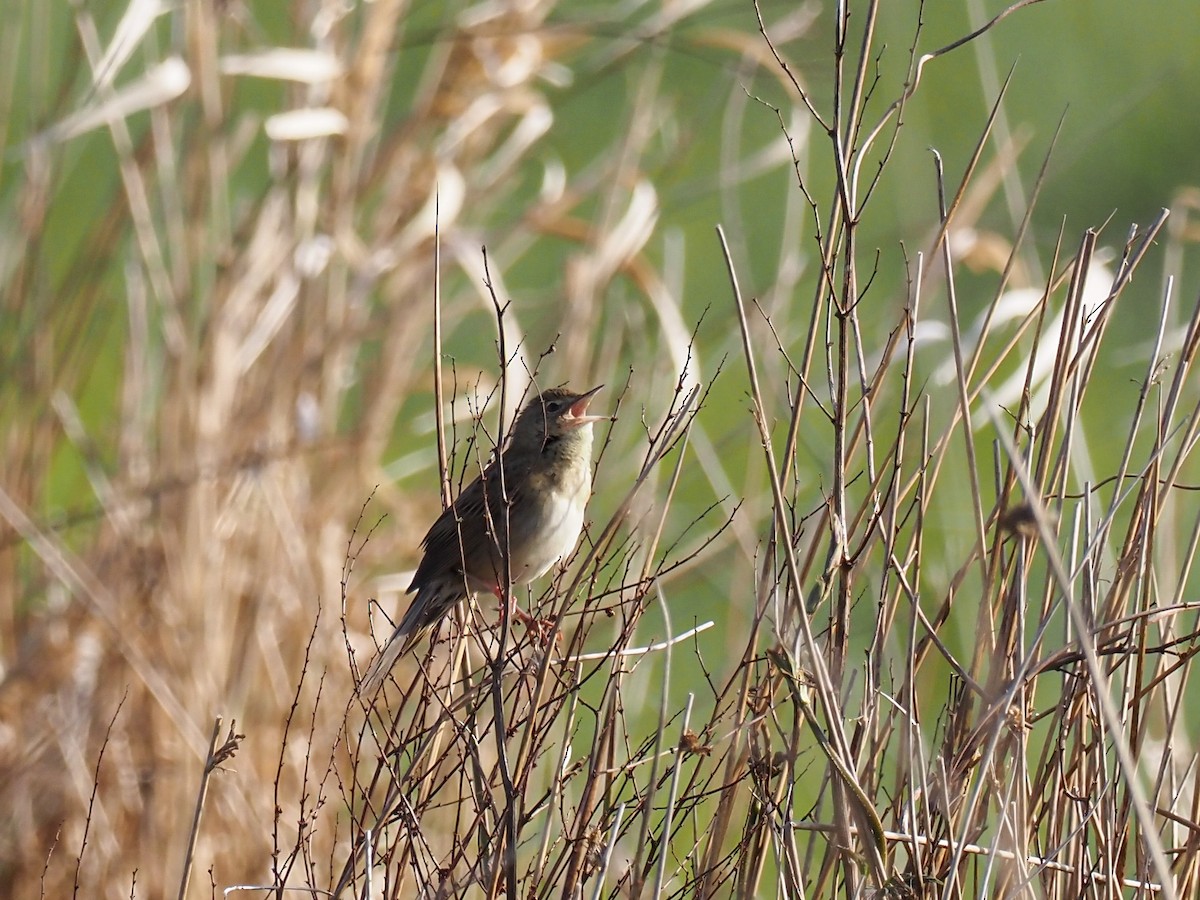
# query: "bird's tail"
430,605
396,646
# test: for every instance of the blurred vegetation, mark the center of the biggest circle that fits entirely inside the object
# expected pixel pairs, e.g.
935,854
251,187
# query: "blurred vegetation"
218,348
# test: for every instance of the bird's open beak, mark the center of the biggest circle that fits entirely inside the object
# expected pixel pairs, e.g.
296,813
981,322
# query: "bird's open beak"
579,409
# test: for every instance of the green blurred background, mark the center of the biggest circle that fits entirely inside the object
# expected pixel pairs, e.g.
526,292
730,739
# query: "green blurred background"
1123,78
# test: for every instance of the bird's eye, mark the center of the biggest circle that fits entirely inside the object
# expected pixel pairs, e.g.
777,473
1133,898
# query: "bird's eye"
554,406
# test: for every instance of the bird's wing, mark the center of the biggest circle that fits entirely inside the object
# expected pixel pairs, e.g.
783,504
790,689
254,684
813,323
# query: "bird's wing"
473,521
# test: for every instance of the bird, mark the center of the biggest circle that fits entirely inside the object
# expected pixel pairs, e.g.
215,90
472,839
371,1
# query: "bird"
527,503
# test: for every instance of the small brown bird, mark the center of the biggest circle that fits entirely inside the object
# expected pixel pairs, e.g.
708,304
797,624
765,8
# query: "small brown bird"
529,502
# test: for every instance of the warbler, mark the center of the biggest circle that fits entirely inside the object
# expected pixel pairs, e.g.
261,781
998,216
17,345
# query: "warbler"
528,503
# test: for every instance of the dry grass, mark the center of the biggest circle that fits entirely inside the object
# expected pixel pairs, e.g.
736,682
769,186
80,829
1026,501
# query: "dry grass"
894,605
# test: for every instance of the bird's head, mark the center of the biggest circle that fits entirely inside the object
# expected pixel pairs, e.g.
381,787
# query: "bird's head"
554,414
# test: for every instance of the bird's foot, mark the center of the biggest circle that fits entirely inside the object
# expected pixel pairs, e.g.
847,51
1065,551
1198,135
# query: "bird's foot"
541,629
